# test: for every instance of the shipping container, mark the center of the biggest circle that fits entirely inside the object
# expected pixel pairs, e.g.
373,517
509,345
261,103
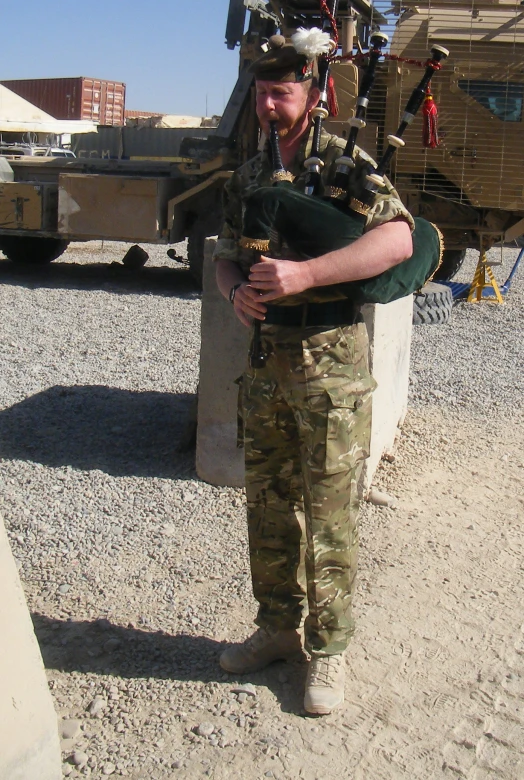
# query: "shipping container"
94,100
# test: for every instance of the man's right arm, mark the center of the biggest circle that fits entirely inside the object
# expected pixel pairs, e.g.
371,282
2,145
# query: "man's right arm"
228,270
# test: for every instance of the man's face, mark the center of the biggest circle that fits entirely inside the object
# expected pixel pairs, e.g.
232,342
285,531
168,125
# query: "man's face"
287,103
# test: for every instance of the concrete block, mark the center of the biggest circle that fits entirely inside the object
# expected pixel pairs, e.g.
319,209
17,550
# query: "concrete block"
389,329
29,743
223,358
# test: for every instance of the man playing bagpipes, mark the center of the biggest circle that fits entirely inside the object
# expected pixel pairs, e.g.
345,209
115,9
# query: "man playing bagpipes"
306,405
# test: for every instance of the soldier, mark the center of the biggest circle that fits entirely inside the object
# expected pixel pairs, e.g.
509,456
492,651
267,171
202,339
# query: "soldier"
307,413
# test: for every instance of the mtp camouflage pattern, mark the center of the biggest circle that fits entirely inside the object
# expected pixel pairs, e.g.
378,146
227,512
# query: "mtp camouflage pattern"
307,423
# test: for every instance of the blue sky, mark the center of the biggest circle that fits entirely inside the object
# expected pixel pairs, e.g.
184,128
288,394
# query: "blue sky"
171,55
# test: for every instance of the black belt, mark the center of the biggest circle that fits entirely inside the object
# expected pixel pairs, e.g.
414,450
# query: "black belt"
309,315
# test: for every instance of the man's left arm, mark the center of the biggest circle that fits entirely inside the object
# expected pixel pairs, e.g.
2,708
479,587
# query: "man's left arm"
377,250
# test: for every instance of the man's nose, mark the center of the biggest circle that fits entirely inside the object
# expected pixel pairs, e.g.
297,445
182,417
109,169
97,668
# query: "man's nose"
268,103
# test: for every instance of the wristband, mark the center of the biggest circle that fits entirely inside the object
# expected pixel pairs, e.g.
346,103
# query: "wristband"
233,291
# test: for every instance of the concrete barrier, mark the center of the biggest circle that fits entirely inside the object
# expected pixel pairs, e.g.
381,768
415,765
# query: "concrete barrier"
389,329
223,355
29,743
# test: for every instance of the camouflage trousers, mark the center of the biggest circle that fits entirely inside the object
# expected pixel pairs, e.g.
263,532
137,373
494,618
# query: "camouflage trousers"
307,423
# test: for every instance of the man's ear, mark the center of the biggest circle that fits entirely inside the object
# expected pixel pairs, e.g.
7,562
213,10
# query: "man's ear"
313,98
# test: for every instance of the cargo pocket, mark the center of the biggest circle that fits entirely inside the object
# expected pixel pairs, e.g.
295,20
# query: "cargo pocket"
348,430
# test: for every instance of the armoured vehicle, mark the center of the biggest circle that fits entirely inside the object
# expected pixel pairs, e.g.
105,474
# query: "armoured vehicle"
469,185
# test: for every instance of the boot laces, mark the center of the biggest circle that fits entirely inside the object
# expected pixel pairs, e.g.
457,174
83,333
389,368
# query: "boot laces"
324,670
257,640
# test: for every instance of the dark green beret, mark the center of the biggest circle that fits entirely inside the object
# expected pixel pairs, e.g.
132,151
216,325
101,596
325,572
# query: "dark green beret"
282,62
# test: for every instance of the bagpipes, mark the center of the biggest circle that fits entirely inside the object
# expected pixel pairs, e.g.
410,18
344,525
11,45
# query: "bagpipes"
312,225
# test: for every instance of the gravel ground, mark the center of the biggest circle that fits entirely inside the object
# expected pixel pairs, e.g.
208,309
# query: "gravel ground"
134,570
475,362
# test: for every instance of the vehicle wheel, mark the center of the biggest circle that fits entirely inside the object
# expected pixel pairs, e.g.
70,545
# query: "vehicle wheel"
32,251
452,260
432,304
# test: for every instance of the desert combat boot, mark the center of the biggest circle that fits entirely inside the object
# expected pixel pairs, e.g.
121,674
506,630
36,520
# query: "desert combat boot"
324,684
259,650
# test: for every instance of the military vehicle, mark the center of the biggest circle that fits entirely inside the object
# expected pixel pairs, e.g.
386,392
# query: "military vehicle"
469,185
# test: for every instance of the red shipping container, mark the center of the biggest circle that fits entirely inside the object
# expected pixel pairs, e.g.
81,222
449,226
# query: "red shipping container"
95,100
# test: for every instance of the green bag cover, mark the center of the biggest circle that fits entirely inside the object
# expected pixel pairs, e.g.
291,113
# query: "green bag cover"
313,226
406,277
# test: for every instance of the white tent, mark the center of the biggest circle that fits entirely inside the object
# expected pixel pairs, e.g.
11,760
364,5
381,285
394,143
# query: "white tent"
19,116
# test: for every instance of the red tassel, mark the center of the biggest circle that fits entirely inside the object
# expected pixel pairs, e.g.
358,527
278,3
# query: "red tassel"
332,97
430,137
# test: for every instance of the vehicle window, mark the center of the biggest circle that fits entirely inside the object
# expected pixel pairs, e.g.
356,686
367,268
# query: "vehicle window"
502,98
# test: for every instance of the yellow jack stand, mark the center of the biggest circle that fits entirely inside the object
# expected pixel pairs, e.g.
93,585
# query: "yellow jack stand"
479,282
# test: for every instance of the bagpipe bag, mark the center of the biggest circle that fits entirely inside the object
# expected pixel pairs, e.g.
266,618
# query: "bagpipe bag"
313,226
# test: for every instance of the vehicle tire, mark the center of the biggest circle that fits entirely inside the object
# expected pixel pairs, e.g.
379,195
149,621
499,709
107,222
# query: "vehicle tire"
432,304
27,250
452,260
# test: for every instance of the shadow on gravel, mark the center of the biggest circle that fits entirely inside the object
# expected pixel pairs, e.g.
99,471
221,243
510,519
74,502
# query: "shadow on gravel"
110,277
100,647
119,432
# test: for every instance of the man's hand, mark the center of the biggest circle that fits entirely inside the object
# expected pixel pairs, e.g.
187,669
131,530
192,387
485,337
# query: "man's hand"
248,305
247,301
277,278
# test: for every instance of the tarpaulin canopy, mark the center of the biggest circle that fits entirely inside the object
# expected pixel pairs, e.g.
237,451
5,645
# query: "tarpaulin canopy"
172,120
19,116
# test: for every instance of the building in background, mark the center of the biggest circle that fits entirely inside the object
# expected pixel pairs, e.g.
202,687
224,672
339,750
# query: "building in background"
178,121
94,100
131,114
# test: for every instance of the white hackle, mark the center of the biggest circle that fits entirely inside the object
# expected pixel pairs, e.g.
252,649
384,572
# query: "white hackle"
311,42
